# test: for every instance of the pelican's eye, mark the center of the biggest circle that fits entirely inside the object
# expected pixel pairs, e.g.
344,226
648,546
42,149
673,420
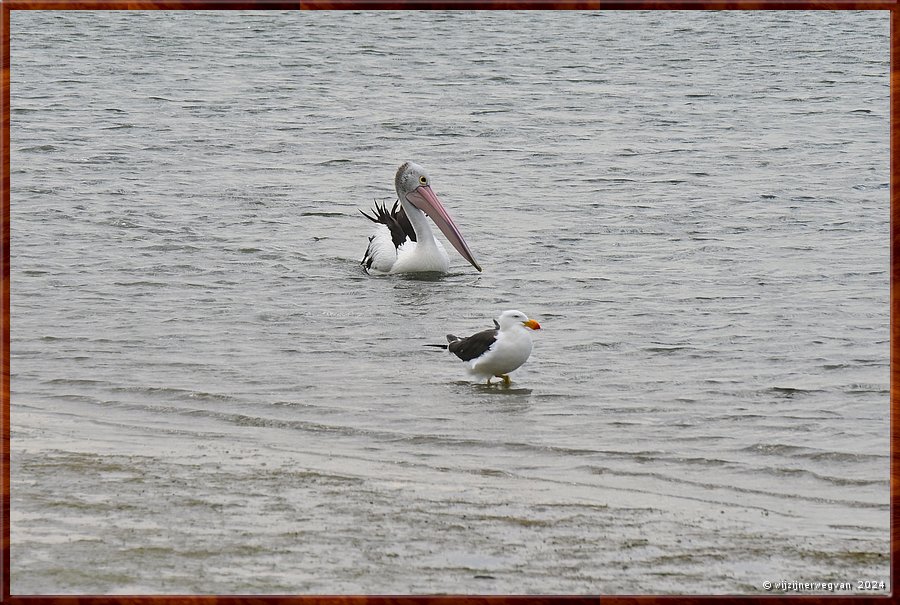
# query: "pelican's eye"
423,180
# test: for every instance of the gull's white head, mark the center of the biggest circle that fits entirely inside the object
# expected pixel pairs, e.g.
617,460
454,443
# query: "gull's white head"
511,319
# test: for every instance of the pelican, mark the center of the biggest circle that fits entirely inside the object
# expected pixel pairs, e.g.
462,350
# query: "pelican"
499,351
403,241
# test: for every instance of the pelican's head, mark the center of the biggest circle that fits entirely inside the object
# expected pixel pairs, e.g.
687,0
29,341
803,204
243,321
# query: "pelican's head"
414,186
511,319
410,176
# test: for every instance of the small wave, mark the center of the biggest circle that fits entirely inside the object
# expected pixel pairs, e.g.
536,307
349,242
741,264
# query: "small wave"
204,396
75,381
121,223
39,149
322,213
791,392
835,479
865,187
176,393
733,488
154,284
593,346
774,449
796,451
171,248
601,179
858,388
666,348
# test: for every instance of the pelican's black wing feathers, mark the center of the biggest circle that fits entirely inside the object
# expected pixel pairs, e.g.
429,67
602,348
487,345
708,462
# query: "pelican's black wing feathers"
395,220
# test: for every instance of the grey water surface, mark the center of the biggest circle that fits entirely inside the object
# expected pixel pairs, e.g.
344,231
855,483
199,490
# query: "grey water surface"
210,396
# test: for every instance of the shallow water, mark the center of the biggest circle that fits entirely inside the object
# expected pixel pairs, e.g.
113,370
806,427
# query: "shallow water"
209,395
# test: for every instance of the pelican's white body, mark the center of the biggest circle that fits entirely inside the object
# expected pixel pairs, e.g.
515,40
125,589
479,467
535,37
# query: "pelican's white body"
426,254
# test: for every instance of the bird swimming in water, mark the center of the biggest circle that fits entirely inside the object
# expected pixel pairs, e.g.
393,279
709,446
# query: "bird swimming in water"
403,241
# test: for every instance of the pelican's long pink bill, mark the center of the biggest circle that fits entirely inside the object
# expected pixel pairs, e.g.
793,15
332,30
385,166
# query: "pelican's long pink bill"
425,200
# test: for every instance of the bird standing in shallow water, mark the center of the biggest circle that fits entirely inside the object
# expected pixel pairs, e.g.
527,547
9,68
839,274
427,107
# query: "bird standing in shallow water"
403,241
499,351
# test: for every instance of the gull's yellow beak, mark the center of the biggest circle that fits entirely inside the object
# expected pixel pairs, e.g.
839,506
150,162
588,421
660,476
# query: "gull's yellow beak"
532,324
